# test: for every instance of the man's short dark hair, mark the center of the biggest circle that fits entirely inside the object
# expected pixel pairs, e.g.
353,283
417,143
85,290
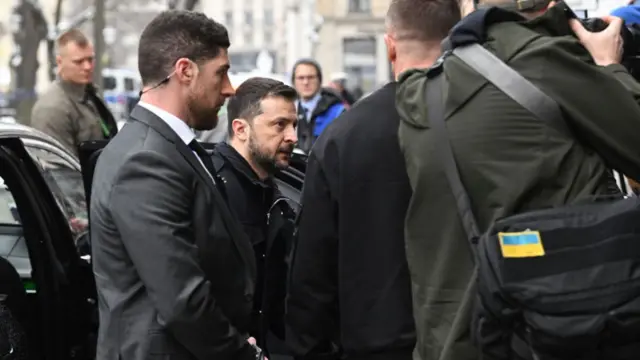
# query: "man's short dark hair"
175,34
423,20
245,104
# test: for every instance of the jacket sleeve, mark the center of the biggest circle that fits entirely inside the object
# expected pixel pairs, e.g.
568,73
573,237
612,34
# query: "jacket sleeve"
55,121
602,104
148,206
312,313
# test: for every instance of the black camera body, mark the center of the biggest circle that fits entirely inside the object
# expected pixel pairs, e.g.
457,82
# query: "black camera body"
630,41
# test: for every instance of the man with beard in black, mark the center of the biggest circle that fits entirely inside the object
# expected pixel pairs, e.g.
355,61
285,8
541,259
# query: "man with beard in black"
262,133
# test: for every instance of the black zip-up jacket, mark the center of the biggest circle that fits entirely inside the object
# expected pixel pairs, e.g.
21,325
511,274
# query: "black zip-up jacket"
349,283
269,221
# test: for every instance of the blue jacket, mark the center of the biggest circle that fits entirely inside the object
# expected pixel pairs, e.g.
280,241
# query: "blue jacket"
329,107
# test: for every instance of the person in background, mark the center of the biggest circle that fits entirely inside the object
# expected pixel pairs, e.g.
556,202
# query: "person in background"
317,107
70,110
338,83
630,13
262,132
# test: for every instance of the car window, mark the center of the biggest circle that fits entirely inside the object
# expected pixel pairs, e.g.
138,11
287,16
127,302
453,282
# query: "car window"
65,182
108,83
129,84
8,210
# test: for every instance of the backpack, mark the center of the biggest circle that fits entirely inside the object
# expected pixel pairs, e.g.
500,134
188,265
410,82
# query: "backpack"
553,284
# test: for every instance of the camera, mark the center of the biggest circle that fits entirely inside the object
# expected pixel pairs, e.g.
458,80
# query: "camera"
630,39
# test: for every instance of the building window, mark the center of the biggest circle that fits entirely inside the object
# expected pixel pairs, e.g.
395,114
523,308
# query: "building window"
248,17
268,37
359,6
248,37
268,17
228,18
359,62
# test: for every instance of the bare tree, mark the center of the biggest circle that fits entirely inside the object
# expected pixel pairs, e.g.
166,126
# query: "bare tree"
29,29
51,41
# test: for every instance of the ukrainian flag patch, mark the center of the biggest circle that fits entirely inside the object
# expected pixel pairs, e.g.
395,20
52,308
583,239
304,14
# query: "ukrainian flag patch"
521,244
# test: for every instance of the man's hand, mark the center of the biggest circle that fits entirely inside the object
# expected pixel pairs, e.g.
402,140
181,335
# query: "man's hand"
605,46
253,342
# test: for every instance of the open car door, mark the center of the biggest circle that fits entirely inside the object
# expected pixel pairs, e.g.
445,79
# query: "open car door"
60,300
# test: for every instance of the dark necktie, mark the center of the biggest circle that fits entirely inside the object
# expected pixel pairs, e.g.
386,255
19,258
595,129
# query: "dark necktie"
203,155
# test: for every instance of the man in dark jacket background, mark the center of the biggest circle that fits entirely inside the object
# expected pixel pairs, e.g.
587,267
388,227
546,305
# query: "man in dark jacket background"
350,291
317,106
509,160
262,121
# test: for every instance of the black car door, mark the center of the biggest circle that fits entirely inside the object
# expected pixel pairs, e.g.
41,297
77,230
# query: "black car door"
63,325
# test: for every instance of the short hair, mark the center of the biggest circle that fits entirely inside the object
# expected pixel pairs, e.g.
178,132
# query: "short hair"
423,20
175,34
73,35
245,104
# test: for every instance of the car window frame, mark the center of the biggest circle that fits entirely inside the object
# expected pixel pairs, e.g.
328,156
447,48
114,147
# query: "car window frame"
43,145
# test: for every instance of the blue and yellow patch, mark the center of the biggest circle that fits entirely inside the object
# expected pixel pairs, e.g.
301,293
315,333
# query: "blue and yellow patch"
521,244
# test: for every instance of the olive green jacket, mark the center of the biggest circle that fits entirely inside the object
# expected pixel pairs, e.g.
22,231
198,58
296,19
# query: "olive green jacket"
71,115
509,160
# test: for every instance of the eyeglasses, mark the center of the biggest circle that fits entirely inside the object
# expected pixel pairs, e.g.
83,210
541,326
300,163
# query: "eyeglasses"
307,77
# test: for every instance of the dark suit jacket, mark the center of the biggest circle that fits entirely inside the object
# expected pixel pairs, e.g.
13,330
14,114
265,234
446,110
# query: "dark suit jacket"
174,271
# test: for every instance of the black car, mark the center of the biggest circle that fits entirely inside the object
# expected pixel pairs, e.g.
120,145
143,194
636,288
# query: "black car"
57,298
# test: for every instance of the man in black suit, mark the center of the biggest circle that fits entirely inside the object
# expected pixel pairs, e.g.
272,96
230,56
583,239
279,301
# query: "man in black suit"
174,270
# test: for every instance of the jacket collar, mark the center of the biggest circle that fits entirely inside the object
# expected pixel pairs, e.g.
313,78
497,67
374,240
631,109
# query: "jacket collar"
77,92
242,167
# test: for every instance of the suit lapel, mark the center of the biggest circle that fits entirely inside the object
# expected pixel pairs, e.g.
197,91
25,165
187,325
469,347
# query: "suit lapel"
241,240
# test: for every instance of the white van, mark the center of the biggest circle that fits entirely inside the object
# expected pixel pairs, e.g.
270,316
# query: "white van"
120,89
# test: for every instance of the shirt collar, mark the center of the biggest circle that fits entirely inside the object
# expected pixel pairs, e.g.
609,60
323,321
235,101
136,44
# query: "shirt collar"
76,91
178,126
311,104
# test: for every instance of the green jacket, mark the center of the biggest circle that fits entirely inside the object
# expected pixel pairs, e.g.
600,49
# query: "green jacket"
72,114
509,160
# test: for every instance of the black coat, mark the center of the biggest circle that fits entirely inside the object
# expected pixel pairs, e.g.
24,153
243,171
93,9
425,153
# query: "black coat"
349,282
268,220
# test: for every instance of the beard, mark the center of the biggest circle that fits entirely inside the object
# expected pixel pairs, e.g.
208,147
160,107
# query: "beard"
204,116
265,159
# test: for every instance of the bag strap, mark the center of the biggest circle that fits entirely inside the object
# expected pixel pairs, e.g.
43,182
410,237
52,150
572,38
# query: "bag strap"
510,82
435,112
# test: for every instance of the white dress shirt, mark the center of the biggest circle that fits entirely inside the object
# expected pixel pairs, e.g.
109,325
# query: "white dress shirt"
178,126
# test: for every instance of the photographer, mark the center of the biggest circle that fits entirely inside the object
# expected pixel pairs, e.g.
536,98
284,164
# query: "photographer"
509,160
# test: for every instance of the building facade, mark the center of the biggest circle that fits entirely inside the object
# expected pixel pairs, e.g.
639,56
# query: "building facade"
351,40
254,26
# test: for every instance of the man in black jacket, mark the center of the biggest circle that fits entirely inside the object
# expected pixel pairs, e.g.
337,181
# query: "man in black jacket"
350,288
262,120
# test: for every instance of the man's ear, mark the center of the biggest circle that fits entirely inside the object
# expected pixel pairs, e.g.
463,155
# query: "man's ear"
185,70
240,129
391,47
